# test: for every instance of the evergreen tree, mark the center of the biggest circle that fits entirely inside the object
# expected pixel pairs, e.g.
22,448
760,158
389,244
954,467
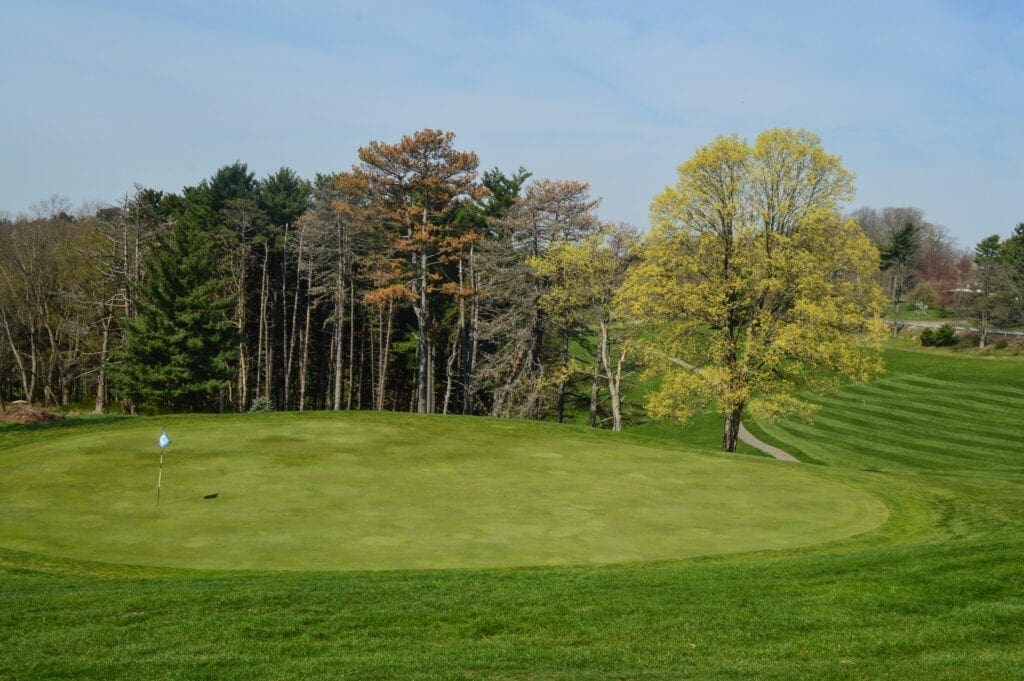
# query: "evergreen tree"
994,297
284,196
503,191
898,260
1012,254
181,348
230,182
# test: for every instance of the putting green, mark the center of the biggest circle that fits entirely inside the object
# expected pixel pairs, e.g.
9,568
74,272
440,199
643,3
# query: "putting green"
387,491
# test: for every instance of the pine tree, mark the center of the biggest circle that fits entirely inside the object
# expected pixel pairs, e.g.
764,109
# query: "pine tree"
181,348
421,181
898,259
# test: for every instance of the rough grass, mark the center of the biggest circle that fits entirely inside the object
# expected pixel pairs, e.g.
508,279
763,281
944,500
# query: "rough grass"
937,592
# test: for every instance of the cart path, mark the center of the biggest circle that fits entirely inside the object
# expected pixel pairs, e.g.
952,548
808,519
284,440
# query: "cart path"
768,449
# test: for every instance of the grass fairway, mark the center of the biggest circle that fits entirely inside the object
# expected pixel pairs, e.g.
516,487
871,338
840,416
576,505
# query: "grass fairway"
392,491
935,592
932,412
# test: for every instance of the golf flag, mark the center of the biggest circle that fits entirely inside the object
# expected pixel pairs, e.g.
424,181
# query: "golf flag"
163,442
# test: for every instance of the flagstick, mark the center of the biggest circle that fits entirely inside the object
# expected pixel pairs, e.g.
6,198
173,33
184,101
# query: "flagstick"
159,476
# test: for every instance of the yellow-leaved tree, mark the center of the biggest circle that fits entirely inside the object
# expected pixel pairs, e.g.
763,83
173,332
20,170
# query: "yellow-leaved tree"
751,286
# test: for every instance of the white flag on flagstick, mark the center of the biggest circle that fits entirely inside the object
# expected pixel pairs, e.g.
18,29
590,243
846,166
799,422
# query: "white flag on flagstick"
163,442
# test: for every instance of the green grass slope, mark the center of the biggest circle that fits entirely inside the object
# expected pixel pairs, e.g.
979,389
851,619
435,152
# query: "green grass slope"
955,422
390,491
937,592
930,413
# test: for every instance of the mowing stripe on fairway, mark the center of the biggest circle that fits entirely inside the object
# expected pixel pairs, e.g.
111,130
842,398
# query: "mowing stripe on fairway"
937,415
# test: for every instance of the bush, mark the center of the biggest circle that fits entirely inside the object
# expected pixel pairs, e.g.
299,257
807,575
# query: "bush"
942,337
1002,344
261,405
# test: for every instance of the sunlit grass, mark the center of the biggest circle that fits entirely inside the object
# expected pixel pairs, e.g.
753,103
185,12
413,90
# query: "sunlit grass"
368,491
936,592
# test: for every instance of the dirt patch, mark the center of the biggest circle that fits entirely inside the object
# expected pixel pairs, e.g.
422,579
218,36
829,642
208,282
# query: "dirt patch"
22,412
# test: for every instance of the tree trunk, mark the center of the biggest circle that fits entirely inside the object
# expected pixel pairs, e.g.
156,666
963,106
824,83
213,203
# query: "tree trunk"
304,364
614,386
64,376
262,337
23,374
50,395
423,405
338,355
562,384
290,353
268,375
732,428
243,362
339,325
385,351
469,338
375,342
363,342
33,366
462,346
422,345
431,378
351,346
328,389
614,379
594,395
101,377
474,340
243,377
450,371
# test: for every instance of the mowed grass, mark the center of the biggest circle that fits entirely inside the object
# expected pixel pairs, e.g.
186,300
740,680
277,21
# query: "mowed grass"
936,592
391,491
931,413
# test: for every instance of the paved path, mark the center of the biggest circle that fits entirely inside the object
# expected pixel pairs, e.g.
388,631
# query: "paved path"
745,436
959,326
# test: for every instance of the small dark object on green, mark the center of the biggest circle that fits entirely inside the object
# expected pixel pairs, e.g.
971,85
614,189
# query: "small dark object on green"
211,496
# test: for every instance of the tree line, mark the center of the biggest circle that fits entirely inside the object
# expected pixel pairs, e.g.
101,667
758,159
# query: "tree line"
922,266
411,282
415,282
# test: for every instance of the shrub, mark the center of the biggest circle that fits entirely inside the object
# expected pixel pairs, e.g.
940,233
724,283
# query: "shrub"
927,338
945,336
1002,344
261,405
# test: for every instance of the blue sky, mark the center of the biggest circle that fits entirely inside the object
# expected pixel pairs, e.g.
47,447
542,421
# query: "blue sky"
924,101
